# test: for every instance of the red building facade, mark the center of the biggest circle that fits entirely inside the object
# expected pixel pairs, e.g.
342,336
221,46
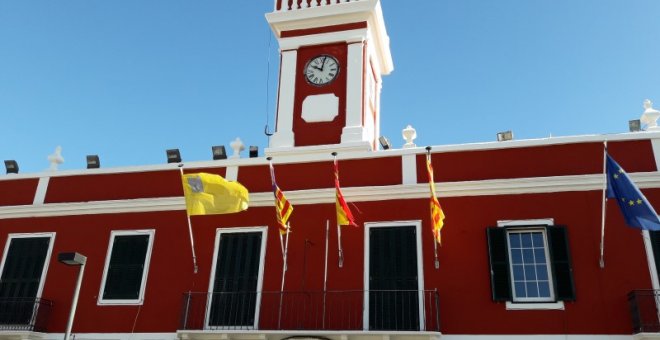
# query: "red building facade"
521,243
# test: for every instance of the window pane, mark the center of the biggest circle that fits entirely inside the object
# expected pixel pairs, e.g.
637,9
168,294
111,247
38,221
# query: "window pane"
518,273
532,290
537,239
542,272
520,289
544,289
539,255
528,256
530,273
514,240
516,256
526,239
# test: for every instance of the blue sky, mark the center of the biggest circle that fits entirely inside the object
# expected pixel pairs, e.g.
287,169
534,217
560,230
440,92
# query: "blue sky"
128,79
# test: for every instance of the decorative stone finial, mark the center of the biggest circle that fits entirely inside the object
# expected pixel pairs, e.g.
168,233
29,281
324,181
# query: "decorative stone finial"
409,134
650,117
238,146
56,158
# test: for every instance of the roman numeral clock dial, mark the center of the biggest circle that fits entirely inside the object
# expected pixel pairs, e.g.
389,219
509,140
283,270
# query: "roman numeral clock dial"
321,70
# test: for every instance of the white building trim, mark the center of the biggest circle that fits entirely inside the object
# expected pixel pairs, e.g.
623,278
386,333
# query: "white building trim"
533,185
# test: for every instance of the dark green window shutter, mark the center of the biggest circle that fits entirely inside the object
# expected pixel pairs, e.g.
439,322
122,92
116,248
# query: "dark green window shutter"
561,262
124,278
499,264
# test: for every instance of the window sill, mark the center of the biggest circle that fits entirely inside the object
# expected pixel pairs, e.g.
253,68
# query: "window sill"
119,302
559,305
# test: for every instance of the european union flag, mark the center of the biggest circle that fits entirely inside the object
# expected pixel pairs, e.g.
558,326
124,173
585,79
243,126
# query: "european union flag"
636,209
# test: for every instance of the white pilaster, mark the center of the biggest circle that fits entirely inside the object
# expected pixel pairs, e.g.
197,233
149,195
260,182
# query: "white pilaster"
284,137
354,131
409,169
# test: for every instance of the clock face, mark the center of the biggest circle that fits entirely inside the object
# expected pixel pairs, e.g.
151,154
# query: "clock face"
321,70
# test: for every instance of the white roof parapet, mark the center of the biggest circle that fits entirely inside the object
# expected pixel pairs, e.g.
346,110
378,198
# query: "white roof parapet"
650,117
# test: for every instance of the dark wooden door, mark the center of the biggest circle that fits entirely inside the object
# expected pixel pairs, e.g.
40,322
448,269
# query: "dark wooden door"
233,300
393,285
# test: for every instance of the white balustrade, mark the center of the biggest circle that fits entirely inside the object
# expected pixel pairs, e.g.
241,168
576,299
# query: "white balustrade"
294,5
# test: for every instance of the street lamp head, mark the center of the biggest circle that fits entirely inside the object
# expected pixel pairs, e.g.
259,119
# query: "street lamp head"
72,259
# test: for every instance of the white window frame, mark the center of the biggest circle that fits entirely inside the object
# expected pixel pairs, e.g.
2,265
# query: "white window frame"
420,267
260,277
44,271
145,273
531,303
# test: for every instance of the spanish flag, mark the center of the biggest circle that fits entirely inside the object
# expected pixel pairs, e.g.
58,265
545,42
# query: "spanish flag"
283,208
208,194
437,215
344,215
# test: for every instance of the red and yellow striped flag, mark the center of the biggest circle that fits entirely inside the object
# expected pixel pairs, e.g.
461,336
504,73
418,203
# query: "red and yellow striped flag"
437,215
283,207
344,215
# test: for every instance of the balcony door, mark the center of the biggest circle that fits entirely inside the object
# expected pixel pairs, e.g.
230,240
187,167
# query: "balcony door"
234,295
393,277
23,268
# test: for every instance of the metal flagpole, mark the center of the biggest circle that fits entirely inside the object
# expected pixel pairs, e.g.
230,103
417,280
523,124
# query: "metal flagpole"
286,249
341,251
190,232
325,267
604,206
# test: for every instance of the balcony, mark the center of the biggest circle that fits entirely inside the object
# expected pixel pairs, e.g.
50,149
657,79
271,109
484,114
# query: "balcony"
23,315
408,313
294,5
645,313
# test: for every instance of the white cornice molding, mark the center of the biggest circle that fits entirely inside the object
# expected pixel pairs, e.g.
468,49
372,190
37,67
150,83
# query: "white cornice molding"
536,185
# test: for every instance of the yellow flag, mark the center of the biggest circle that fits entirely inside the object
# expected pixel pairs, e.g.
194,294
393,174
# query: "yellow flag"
208,194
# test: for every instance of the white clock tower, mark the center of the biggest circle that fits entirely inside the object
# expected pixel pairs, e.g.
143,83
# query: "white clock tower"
333,55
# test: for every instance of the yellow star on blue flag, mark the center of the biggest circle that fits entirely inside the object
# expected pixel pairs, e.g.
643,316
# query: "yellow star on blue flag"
619,186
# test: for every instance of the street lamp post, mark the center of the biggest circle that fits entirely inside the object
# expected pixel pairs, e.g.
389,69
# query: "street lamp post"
73,259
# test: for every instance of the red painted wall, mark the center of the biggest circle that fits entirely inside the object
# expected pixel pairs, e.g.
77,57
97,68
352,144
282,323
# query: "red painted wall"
462,280
540,161
18,191
114,186
322,132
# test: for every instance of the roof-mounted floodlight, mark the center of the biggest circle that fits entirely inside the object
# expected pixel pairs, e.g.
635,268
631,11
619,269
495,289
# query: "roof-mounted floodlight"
11,166
384,142
93,162
219,152
254,151
173,156
504,136
635,125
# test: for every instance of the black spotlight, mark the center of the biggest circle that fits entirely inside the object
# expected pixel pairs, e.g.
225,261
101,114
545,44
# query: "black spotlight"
254,151
384,142
635,125
173,156
219,152
12,166
93,162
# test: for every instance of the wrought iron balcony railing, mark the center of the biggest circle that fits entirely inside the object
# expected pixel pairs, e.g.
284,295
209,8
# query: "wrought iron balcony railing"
24,314
644,310
409,310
